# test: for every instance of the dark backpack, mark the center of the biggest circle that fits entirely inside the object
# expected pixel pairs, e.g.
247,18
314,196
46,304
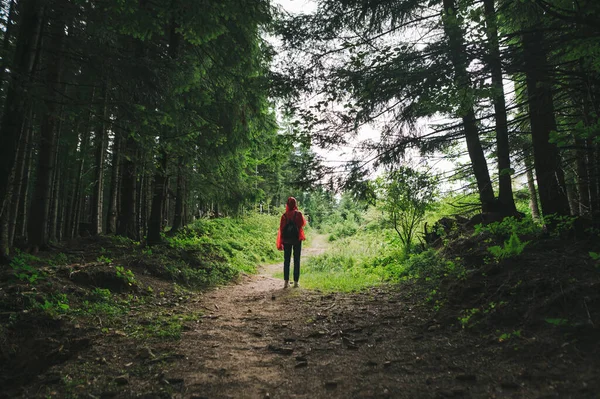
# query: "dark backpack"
291,233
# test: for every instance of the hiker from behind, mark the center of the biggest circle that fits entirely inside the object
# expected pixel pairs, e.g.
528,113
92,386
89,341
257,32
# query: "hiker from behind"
289,238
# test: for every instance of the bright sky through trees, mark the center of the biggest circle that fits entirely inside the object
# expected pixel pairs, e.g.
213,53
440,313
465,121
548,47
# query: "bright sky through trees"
367,132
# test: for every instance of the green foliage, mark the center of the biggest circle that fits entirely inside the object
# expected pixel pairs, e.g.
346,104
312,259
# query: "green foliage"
22,268
346,228
430,265
56,304
471,317
58,259
509,226
594,255
559,224
103,259
512,247
557,321
123,242
349,265
320,207
510,335
125,275
467,314
214,251
162,327
101,303
372,256
407,195
101,294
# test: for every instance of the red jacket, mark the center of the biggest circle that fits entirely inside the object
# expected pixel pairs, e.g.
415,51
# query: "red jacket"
291,213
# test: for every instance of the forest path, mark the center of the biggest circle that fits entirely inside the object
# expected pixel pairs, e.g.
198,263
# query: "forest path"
258,340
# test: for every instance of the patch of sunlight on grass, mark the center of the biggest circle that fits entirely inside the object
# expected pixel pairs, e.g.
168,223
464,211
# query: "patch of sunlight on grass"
339,281
350,264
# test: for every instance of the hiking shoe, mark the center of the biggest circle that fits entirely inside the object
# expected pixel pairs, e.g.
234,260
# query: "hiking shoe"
286,284
296,284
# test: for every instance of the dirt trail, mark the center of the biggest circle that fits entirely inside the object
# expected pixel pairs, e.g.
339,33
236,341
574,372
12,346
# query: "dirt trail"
258,340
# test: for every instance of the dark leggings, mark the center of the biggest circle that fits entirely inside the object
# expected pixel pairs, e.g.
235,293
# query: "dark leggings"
287,254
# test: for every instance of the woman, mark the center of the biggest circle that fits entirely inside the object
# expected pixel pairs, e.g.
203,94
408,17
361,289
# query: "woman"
290,237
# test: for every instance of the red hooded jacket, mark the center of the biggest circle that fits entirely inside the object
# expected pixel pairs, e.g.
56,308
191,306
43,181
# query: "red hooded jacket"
291,213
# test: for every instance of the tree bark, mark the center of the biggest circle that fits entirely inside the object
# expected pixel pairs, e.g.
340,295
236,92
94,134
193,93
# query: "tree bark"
13,116
549,173
127,216
459,62
55,187
111,225
185,200
572,197
594,173
21,228
178,217
583,179
18,196
158,196
505,193
8,33
533,197
140,213
100,156
38,223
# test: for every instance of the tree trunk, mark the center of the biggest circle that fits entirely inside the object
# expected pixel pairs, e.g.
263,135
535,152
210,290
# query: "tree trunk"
158,197
21,227
13,116
178,217
111,225
62,205
185,200
144,194
55,188
459,62
583,179
505,193
98,187
594,173
140,213
18,196
127,216
549,173
571,193
533,197
39,215
8,33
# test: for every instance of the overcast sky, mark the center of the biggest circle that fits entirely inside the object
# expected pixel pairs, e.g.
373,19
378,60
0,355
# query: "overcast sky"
344,154
296,6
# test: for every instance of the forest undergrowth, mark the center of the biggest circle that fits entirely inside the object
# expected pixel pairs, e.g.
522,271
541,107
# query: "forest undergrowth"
60,302
510,283
511,274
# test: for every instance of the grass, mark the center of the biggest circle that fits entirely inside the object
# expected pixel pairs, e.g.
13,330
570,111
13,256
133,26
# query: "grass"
243,243
352,263
210,252
371,256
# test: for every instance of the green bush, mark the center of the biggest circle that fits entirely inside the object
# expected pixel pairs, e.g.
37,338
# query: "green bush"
509,226
430,264
221,248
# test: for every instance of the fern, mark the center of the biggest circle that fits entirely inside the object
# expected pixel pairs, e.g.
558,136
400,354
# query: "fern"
512,247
